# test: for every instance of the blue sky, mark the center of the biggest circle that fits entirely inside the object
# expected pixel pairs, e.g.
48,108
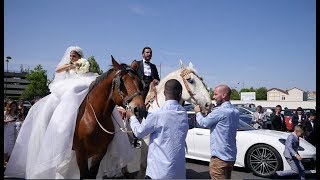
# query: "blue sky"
245,43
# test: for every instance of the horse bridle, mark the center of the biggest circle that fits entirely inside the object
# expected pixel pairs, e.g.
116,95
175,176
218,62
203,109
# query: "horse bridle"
125,100
116,83
185,73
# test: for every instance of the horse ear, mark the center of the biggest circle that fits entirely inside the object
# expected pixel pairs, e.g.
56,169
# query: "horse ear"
190,65
134,64
181,64
115,63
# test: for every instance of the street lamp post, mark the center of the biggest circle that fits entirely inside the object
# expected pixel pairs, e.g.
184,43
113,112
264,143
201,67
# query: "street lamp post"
7,60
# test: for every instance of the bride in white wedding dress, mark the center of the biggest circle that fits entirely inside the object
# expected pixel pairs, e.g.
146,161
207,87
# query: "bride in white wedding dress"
43,148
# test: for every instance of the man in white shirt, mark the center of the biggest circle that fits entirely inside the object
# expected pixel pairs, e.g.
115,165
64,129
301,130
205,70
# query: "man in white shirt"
168,127
260,117
299,117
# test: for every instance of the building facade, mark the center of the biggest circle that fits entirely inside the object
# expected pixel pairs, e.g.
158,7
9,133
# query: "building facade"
312,95
14,84
294,94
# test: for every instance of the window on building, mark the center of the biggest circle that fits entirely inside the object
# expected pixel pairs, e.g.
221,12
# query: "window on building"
283,98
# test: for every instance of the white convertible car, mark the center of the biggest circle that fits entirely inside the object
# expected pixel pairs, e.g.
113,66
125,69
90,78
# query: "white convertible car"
261,151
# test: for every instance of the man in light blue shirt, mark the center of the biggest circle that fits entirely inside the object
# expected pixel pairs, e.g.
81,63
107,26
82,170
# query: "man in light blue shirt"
168,127
223,122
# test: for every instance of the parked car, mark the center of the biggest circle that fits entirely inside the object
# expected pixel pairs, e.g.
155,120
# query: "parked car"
245,114
288,113
27,104
308,111
188,106
248,112
260,151
269,110
247,105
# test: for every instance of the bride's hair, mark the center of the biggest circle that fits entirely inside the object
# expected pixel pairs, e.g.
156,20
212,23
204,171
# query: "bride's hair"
77,50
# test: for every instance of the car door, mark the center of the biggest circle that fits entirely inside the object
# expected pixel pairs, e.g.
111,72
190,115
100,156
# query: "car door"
202,142
190,136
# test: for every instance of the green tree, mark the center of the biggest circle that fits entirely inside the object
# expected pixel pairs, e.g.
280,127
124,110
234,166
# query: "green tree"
211,93
248,90
234,95
38,83
94,66
261,93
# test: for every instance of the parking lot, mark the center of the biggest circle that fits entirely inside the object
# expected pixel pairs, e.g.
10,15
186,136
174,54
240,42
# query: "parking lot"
199,170
195,169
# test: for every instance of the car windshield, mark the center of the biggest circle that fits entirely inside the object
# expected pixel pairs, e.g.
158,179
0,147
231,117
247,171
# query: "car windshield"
188,107
289,112
250,109
245,110
242,126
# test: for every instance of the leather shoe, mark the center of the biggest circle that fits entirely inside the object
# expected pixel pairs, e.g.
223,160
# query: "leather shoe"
136,145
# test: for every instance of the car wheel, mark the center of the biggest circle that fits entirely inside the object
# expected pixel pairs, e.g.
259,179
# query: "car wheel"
263,160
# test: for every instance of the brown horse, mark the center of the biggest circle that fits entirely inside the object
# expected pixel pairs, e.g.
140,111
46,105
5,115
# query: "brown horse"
119,86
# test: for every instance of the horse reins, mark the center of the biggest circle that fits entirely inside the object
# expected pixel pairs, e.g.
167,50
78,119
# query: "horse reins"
152,98
122,129
124,100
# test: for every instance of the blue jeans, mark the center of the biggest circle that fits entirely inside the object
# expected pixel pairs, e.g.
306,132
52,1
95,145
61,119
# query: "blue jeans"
296,168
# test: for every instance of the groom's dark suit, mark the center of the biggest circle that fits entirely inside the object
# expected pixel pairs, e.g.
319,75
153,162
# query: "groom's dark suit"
147,79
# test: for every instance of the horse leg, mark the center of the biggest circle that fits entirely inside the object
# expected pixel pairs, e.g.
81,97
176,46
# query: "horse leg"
143,157
95,163
82,161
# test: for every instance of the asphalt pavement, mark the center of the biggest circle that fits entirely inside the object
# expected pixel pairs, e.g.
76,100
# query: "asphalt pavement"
194,170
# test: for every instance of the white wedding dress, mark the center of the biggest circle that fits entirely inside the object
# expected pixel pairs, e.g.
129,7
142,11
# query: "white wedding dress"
43,148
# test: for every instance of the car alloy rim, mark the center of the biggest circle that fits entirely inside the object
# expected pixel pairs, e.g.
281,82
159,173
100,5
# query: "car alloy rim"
263,161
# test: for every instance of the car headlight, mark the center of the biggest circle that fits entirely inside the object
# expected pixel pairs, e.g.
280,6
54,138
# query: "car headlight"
283,141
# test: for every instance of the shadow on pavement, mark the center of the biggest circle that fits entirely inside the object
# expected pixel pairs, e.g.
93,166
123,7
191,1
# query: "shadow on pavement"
191,174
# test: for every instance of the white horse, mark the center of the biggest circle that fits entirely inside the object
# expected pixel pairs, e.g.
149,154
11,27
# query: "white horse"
193,91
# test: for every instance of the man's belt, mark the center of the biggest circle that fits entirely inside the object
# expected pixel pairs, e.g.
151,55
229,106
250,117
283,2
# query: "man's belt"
147,79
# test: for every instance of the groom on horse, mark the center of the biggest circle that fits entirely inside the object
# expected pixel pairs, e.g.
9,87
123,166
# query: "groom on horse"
147,71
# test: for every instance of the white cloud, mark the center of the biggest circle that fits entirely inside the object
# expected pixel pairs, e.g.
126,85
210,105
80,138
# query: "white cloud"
138,9
170,53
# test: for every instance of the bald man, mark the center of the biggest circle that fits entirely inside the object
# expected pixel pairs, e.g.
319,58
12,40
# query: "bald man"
222,122
168,127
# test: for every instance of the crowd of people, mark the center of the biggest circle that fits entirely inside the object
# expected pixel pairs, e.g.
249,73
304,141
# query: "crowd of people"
14,115
304,125
305,120
167,126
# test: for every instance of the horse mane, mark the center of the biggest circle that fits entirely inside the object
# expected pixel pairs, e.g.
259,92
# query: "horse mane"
100,78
